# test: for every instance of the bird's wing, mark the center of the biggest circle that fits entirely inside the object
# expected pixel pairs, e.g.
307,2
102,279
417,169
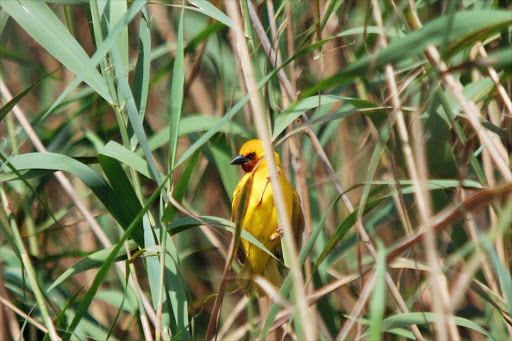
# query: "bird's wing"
297,220
237,194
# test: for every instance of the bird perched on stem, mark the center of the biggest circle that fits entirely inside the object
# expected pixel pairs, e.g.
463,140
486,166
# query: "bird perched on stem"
254,192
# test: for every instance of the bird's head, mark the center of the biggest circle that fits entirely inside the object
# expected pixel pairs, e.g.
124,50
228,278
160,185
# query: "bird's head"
250,155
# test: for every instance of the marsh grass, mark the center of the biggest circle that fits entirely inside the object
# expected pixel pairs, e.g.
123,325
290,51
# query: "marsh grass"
118,123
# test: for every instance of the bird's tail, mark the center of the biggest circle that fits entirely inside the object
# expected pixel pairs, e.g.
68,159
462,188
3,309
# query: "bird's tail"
271,273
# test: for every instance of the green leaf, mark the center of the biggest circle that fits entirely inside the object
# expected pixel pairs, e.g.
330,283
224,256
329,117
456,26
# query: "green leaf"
133,114
102,272
378,300
180,225
222,157
43,25
407,319
194,124
341,230
181,188
117,10
58,162
93,261
210,10
9,105
123,155
100,53
123,188
464,28
294,111
374,161
354,105
178,80
142,69
439,143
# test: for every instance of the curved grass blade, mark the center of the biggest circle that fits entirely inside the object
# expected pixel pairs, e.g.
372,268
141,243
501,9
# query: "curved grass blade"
93,261
9,105
404,320
210,10
43,25
465,27
378,300
123,188
183,224
58,162
178,81
142,69
123,155
100,53
133,113
194,124
100,276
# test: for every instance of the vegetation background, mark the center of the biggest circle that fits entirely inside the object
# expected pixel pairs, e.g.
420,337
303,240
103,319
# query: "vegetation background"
119,120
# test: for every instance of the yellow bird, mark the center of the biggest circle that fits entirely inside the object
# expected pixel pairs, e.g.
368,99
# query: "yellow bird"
260,218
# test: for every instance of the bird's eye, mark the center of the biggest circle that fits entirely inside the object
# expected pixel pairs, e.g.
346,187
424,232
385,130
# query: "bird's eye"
251,156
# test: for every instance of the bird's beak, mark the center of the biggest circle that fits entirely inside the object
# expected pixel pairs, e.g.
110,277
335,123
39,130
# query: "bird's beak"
239,160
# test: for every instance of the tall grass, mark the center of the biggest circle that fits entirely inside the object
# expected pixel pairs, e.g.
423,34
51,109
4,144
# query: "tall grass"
119,120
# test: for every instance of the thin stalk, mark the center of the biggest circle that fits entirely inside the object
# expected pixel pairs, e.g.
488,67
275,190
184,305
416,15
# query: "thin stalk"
356,312
418,172
496,79
469,108
137,290
262,126
303,119
22,314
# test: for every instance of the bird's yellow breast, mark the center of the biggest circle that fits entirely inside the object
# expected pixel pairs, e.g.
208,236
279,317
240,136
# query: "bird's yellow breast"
260,216
253,208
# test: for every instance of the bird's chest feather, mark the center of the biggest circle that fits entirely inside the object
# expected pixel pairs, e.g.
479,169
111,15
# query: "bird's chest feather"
261,218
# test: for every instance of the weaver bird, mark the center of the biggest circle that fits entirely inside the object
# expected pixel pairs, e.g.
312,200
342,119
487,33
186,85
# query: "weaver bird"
260,218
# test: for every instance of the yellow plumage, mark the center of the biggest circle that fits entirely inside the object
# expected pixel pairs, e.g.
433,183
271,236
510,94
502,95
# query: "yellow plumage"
260,218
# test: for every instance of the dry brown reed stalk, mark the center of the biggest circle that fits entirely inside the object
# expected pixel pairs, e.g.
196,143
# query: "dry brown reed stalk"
418,173
496,79
15,331
230,321
7,315
364,297
469,107
212,324
262,127
294,143
450,215
494,147
297,159
340,282
146,328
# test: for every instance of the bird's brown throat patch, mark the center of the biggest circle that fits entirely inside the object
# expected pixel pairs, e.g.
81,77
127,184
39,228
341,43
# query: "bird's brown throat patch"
249,166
